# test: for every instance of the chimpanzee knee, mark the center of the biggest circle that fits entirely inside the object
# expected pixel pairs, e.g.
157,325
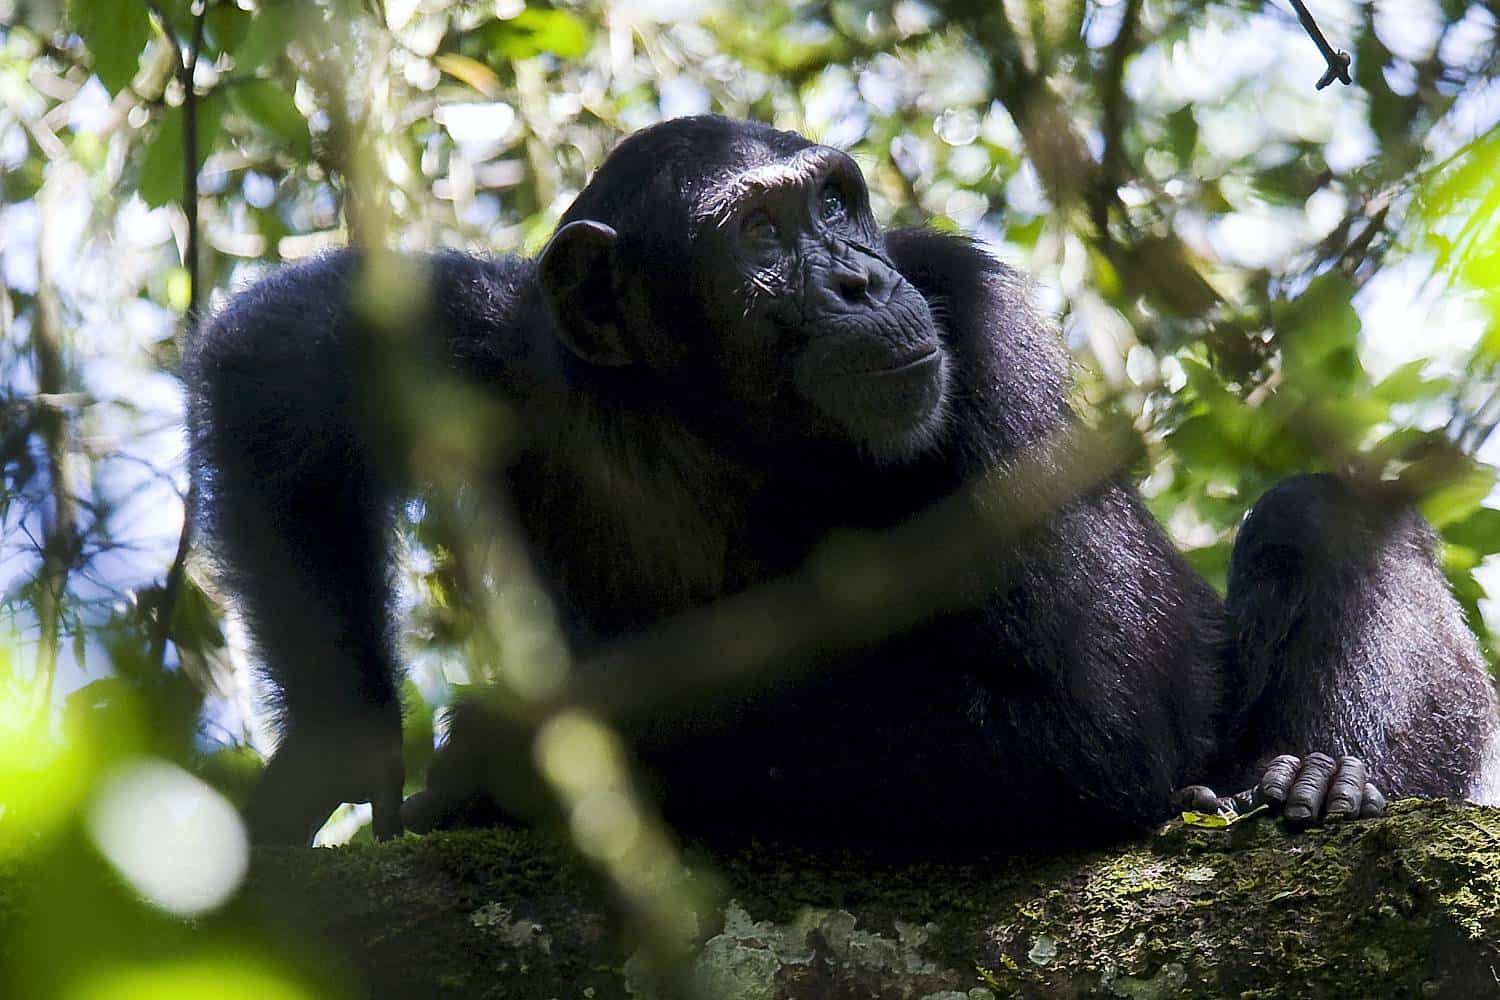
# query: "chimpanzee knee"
1347,640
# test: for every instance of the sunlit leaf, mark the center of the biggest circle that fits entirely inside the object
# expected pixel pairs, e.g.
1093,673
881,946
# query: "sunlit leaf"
1407,384
1459,497
471,71
43,778
164,978
533,32
1479,531
179,289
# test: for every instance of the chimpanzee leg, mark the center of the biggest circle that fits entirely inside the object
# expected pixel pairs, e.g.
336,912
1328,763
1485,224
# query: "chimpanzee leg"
298,522
1348,641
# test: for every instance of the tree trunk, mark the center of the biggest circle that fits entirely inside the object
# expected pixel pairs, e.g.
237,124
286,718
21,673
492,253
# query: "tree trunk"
1402,906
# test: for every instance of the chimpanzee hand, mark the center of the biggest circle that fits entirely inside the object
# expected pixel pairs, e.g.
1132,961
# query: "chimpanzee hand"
1305,790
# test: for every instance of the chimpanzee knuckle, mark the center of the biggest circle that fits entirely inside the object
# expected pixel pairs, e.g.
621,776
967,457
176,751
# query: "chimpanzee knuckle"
1319,760
1197,798
1278,776
1373,802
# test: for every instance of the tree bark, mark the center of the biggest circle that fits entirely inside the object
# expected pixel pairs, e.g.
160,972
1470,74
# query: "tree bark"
1408,905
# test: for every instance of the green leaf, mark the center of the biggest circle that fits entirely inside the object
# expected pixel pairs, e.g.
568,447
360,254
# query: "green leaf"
227,25
1182,133
234,771
161,167
272,27
1212,563
1459,497
1319,335
1479,531
1406,384
116,33
532,32
271,108
416,734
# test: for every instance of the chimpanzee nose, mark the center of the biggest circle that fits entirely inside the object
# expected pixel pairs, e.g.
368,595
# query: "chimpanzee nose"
852,284
857,285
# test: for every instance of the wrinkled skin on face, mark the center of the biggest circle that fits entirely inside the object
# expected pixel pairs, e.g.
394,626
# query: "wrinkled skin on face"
807,331
846,346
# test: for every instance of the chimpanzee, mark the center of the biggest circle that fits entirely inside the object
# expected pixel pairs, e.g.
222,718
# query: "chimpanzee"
718,361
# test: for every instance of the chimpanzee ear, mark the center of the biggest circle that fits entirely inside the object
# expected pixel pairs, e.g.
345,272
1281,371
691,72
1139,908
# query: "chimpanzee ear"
577,271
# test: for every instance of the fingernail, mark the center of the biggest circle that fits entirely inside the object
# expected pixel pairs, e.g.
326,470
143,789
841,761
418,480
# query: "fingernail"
1298,812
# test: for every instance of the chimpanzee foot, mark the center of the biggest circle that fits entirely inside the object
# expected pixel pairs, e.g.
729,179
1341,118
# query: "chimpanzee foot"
308,778
433,809
1316,787
1304,790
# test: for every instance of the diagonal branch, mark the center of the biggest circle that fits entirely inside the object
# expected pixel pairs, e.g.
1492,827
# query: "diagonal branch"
1337,59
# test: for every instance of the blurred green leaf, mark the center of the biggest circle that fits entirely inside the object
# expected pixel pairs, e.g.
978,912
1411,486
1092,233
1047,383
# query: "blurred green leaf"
161,172
1406,384
233,771
1182,133
1319,335
416,735
227,25
116,33
270,31
270,107
1479,531
1459,497
1212,561
533,32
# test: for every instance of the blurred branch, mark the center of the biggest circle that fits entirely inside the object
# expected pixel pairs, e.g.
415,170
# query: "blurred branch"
60,541
1337,59
1112,95
929,564
190,161
187,69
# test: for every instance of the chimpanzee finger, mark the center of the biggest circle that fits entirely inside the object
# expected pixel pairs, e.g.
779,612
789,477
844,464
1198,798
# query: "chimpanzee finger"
1197,798
1373,804
1241,802
1304,803
1346,793
1277,779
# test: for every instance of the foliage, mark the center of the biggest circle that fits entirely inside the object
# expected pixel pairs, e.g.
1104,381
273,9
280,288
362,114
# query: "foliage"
1262,277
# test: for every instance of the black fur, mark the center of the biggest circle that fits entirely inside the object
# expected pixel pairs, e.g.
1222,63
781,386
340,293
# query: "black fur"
1067,702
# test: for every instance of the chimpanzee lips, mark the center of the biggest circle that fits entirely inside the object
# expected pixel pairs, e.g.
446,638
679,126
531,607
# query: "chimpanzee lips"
922,364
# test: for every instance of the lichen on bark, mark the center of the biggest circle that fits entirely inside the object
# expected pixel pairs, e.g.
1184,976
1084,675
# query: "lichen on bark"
1408,905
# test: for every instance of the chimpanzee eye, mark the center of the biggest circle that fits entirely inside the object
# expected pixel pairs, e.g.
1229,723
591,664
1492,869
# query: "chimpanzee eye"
760,226
831,204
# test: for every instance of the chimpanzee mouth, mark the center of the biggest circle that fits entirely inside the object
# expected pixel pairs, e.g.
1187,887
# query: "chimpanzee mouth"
922,364
893,404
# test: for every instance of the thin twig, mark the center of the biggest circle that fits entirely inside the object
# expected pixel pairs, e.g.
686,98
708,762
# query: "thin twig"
187,69
1337,59
1112,93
